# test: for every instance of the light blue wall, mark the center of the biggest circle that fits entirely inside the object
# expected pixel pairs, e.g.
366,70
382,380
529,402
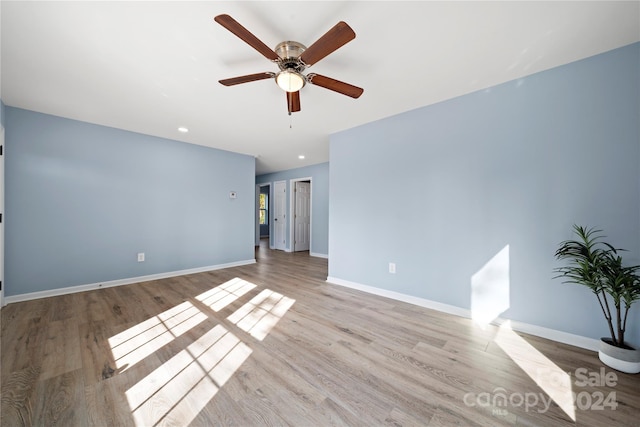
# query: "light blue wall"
319,175
82,200
442,189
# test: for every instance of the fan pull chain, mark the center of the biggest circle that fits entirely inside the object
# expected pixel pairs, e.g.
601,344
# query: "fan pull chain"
290,121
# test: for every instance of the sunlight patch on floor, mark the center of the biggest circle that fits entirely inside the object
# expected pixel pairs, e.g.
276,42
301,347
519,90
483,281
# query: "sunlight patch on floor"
138,342
175,392
179,389
262,313
547,375
223,295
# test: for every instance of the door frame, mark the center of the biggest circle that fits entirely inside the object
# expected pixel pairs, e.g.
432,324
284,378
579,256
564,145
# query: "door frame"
258,187
292,208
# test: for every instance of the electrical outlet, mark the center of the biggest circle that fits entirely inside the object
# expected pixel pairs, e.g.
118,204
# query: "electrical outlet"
392,267
141,257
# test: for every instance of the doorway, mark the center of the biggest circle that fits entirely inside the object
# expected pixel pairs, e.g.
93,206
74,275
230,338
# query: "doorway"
264,212
301,215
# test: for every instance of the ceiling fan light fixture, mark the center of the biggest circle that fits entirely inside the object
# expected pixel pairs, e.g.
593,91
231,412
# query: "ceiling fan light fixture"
290,81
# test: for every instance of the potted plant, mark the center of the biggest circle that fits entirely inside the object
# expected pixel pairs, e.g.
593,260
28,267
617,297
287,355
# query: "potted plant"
598,266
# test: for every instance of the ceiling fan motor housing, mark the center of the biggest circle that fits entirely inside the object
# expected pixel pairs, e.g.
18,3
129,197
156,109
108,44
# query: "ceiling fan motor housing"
289,53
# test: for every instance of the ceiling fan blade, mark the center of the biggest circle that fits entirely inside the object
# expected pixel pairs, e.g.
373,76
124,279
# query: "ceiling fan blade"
246,79
293,101
336,37
234,26
335,85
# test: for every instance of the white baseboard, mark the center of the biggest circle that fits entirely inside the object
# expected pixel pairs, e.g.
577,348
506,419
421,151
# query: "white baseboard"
317,255
120,282
552,334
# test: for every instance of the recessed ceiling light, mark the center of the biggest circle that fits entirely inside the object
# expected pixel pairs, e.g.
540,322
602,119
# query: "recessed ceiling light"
301,156
183,129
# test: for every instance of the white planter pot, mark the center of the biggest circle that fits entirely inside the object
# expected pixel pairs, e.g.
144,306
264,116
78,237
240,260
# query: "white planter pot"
620,359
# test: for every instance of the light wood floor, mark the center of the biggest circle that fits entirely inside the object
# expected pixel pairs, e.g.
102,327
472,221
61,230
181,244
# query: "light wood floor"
274,344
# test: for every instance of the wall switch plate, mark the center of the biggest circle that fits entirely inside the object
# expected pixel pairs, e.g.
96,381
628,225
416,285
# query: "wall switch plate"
141,257
392,267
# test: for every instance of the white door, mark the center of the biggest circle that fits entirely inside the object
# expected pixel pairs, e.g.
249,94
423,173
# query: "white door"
279,215
1,216
302,219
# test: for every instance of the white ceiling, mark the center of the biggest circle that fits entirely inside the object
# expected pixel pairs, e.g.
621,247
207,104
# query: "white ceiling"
151,67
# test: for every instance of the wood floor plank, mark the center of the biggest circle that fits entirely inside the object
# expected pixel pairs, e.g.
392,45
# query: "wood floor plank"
17,397
107,404
60,349
60,400
97,359
273,343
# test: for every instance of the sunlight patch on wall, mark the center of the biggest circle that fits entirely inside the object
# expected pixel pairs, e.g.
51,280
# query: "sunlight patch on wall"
547,375
223,295
260,315
490,289
138,342
179,389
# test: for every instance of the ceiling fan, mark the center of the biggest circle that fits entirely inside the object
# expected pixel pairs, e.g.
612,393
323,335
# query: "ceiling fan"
293,58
